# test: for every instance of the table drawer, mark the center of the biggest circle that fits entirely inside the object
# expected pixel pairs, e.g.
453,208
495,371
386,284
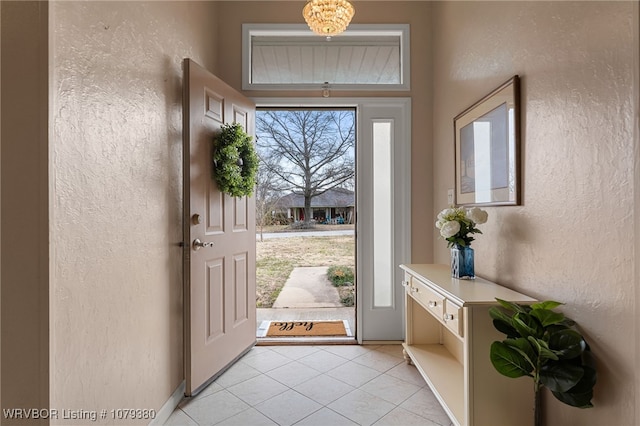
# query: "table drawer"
431,300
453,318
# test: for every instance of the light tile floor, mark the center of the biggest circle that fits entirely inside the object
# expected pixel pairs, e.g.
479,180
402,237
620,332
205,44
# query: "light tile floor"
316,385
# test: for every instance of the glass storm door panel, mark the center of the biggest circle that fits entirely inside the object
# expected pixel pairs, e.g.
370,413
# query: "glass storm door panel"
384,237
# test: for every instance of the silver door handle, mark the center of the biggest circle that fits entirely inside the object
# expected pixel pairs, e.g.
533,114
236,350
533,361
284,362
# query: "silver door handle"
197,244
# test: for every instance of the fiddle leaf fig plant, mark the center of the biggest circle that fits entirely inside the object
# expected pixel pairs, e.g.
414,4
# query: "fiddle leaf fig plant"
544,345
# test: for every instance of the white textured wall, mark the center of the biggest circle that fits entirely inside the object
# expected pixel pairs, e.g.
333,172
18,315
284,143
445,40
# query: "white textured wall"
572,239
116,182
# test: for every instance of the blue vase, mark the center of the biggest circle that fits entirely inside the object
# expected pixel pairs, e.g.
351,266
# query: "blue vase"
462,263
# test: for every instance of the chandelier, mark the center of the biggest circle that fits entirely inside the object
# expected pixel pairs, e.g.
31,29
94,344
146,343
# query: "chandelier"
328,17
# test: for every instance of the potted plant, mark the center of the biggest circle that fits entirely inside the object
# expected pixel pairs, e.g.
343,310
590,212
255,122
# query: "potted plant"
457,225
544,345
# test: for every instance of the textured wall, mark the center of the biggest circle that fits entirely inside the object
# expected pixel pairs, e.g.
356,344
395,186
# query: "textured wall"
116,213
572,238
636,218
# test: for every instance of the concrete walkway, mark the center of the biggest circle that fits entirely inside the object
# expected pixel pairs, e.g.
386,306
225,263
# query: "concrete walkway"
308,287
308,295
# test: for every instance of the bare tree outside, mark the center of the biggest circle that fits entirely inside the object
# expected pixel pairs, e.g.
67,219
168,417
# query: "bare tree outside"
268,192
310,151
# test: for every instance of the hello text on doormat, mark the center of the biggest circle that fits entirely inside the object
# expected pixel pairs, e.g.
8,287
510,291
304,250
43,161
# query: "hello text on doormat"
306,328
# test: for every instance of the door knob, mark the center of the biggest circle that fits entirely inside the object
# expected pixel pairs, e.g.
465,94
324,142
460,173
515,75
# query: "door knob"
197,244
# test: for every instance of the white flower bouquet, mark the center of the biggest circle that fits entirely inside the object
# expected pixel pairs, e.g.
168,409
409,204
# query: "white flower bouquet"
458,224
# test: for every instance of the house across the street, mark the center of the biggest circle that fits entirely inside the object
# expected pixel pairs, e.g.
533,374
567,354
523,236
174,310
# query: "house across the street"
335,206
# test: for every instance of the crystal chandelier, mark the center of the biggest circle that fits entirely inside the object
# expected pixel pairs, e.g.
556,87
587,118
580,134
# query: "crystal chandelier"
328,17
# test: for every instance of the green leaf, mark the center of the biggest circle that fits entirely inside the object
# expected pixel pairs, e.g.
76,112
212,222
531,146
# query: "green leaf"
579,400
508,361
543,349
560,376
547,317
505,328
587,382
502,322
555,328
580,395
513,307
547,304
587,358
526,325
496,313
567,343
523,346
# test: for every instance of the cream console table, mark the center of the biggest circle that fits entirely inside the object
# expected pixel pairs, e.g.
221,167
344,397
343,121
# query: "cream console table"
448,337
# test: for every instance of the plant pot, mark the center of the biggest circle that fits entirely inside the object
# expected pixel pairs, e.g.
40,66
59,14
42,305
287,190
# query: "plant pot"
462,266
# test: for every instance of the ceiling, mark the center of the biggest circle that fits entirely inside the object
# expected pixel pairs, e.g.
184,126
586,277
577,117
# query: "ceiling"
336,60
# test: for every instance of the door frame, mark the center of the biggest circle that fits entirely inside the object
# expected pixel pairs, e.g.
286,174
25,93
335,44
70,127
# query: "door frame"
403,220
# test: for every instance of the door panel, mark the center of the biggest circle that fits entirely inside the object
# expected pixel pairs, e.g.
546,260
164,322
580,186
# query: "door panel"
241,214
214,298
214,207
384,218
220,310
240,116
240,266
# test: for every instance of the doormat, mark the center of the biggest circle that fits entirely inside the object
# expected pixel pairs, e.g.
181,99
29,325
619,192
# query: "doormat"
304,328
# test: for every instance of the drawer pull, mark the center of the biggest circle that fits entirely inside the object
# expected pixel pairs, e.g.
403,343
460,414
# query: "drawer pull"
405,283
433,304
414,289
448,317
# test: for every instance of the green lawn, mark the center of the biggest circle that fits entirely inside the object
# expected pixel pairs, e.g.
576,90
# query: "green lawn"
277,257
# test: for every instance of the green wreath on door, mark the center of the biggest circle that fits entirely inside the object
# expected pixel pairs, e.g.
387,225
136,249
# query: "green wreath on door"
235,161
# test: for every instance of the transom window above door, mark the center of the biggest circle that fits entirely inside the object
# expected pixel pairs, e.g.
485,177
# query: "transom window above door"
291,57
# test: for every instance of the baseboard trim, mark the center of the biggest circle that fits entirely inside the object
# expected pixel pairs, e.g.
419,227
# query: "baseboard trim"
167,409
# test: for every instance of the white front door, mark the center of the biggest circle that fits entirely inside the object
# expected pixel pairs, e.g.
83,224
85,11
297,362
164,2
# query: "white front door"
384,216
220,274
